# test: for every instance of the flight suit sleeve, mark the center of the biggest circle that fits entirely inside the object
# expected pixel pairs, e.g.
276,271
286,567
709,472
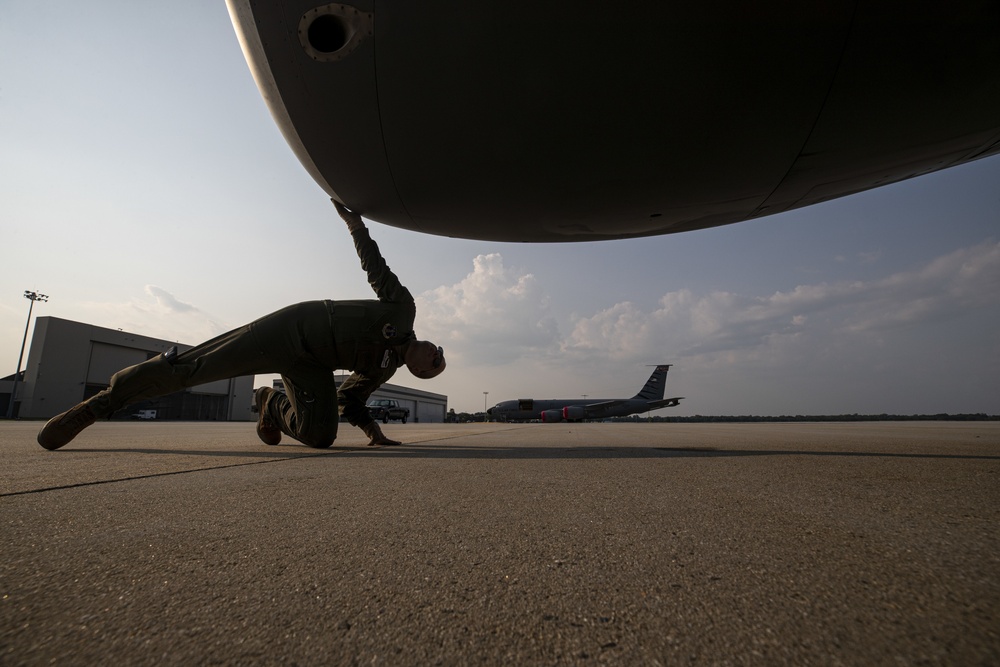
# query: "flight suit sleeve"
353,394
385,283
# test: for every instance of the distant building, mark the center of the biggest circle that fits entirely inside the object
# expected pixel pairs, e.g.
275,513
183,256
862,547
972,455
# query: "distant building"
6,387
71,361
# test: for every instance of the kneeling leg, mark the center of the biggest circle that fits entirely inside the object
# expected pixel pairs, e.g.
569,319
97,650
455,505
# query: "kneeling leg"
308,409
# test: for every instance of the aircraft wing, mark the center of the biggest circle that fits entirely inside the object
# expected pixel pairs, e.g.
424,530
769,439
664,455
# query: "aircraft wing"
616,407
603,405
592,410
665,403
651,405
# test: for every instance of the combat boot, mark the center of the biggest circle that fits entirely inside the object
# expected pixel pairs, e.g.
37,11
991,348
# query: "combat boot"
64,427
268,433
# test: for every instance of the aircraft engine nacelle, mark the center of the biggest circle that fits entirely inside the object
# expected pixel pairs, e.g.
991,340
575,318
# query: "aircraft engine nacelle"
574,413
552,416
784,105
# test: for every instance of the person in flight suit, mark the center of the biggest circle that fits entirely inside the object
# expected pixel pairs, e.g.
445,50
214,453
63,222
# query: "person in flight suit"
304,343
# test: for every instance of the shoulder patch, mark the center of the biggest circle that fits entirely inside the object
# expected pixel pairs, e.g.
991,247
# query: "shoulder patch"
389,331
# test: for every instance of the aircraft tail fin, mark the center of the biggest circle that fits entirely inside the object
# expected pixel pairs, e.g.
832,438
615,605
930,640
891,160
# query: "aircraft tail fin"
657,382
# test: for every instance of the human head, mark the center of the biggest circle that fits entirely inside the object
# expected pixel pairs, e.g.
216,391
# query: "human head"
424,359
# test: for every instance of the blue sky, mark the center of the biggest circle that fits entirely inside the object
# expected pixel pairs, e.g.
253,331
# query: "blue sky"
143,185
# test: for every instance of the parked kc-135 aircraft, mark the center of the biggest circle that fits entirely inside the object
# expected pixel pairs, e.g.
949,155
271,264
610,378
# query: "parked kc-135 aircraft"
561,120
575,409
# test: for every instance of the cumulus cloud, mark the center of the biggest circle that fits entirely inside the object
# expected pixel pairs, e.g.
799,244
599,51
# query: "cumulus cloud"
495,313
965,279
168,302
723,322
869,257
160,315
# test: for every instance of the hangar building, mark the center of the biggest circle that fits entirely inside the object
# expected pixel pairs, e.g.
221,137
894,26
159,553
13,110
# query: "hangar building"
71,361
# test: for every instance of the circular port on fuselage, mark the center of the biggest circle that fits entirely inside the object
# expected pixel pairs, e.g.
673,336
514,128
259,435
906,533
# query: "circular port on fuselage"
327,33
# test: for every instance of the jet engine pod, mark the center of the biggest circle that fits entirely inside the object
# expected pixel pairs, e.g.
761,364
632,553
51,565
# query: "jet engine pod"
552,416
553,121
574,413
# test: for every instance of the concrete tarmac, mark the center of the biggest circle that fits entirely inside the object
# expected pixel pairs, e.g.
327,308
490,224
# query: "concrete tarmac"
495,544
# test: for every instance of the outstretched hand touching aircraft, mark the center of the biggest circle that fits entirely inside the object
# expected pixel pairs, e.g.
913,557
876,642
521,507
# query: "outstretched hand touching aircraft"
575,409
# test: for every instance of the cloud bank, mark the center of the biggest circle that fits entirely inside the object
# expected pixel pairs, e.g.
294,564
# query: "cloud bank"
500,318
500,310
718,323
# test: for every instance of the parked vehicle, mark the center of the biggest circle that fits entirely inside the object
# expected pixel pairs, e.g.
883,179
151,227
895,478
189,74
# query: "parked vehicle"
144,414
386,409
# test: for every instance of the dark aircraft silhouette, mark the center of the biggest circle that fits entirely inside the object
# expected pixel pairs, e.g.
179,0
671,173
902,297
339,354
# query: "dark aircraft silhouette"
650,397
569,121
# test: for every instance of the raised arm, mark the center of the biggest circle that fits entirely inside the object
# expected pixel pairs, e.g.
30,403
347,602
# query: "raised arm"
385,283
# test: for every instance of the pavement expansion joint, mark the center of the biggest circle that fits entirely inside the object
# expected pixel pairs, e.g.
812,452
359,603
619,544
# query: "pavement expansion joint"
169,473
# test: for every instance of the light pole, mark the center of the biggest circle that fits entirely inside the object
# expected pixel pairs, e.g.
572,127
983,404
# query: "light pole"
33,297
485,396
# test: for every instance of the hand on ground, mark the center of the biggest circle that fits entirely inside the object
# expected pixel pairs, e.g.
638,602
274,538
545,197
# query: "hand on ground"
378,439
